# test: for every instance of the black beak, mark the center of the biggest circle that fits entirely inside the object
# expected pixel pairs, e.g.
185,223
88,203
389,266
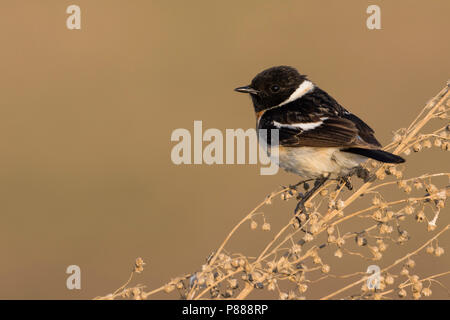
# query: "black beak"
246,89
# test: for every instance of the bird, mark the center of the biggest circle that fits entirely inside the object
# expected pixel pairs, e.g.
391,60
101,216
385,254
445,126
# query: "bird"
318,138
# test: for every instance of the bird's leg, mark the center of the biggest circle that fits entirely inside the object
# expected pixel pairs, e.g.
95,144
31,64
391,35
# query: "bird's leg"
301,204
304,182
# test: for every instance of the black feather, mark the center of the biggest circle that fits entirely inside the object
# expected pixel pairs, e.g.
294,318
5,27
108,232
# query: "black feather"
379,155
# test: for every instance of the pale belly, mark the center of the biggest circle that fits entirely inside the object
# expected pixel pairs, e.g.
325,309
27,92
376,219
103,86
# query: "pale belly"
311,162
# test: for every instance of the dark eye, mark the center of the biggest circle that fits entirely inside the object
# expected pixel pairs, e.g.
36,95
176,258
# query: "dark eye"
275,88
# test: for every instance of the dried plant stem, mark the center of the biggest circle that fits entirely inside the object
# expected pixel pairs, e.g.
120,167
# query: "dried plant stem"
331,295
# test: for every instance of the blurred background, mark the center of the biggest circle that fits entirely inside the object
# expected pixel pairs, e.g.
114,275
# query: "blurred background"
86,118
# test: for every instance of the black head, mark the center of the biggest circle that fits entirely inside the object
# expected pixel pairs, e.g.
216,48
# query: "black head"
273,86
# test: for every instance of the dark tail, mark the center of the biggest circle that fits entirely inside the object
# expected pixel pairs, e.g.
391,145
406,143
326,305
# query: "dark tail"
379,155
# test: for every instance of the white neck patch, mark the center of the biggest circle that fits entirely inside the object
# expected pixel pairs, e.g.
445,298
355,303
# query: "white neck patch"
302,89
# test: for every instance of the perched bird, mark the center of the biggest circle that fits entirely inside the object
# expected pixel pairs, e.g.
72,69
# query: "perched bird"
318,138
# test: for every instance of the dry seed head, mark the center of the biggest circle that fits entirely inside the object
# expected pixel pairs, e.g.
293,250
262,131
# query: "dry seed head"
338,253
330,230
302,217
414,278
376,201
404,272
340,204
430,250
418,185
445,146
439,251
253,225
340,241
139,265
437,142
364,288
431,226
296,249
417,295
331,239
389,280
266,226
381,175
420,217
315,227
426,292
409,210
317,260
417,147
361,241
302,288
402,184
377,215
410,263
384,228
331,204
427,144
402,293
308,237
326,268
292,295
398,174
392,170
397,137
169,288
201,281
382,246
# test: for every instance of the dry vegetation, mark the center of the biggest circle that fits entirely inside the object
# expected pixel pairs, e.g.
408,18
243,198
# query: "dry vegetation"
297,257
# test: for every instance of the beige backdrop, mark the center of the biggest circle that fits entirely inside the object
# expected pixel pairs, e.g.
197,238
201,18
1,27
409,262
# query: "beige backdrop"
86,118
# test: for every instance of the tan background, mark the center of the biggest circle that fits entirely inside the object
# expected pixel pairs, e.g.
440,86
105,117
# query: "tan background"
86,118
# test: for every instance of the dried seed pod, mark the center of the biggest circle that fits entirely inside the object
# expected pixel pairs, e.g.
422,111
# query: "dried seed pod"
266,226
410,263
420,217
389,280
360,240
427,144
426,292
438,251
417,147
325,268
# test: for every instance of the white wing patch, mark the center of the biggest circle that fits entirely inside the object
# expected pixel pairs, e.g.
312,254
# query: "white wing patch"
304,126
